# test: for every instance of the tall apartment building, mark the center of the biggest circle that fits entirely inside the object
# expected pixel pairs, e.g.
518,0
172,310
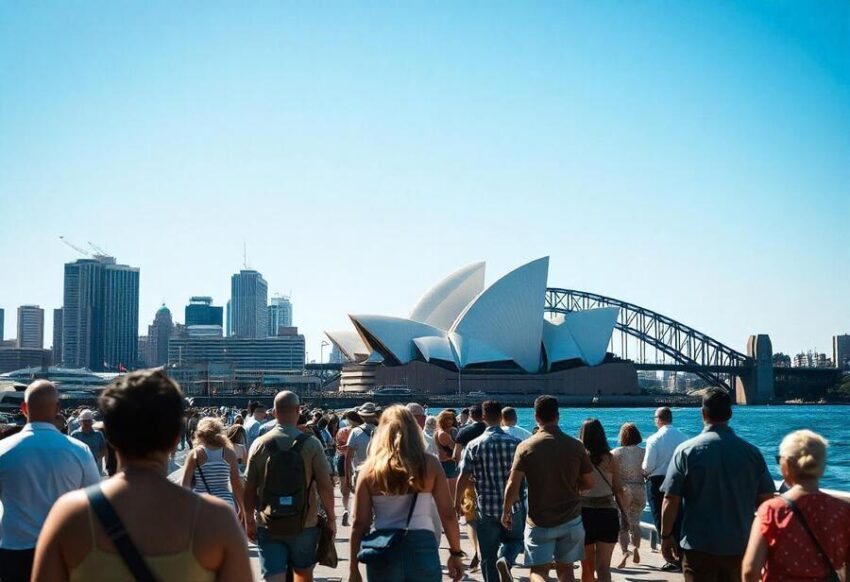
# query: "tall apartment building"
100,314
159,334
57,336
2,314
282,353
30,326
280,314
249,295
841,351
201,311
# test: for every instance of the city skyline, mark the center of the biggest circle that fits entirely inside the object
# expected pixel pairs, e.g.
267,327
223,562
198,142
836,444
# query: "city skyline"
693,159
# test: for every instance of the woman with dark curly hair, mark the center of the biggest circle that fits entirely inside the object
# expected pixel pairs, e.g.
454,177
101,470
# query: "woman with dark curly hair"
174,533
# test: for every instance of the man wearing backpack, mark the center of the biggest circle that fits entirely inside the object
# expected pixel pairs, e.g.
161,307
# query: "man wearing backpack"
287,474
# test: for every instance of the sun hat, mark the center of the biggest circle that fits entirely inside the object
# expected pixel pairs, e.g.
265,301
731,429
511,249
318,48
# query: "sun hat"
368,409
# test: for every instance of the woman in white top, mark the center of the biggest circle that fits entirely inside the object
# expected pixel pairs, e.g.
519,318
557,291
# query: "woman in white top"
237,437
397,468
211,466
630,458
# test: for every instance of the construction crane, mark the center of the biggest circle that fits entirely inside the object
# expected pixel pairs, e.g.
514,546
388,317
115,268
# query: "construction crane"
97,249
75,247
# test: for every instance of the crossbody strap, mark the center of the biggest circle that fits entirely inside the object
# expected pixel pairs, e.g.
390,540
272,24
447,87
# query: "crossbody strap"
798,512
116,532
608,483
410,511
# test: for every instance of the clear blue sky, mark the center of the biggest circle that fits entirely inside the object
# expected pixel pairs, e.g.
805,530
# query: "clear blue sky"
691,157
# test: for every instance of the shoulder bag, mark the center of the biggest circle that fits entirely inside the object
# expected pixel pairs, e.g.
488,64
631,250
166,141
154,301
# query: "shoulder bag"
623,515
833,575
377,544
116,532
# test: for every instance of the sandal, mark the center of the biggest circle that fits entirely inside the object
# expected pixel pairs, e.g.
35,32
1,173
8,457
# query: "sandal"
622,563
636,557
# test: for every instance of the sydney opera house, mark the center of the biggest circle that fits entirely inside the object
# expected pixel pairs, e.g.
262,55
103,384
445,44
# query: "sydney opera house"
464,337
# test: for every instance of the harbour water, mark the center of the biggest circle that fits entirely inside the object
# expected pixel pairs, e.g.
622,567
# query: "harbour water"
764,426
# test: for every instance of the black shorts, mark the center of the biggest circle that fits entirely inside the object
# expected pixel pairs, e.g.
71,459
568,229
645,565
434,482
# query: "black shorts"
600,525
340,465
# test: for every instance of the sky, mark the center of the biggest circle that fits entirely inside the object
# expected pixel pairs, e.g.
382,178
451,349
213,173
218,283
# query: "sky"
689,157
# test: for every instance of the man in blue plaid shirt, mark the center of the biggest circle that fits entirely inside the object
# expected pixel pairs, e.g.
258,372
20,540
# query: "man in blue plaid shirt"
486,464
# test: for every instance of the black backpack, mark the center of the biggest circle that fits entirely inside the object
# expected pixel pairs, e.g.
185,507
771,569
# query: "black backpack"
286,492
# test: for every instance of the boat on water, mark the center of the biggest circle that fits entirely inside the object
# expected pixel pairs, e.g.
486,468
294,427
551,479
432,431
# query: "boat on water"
72,383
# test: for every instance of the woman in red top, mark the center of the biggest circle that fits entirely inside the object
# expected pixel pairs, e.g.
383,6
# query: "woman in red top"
779,547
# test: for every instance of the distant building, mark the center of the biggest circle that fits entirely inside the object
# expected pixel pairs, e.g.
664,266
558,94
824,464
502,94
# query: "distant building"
159,333
280,314
30,326
336,356
201,311
203,331
12,359
142,351
282,353
249,294
100,315
811,359
228,328
57,336
841,351
1,324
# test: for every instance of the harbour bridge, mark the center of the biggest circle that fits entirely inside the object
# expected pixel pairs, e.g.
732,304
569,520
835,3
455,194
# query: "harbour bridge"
654,341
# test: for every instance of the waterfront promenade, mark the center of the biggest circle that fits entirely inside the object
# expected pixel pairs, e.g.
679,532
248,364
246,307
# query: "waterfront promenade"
647,571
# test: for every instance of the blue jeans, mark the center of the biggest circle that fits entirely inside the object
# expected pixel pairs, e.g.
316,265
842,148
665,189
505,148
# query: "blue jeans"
414,559
496,542
276,555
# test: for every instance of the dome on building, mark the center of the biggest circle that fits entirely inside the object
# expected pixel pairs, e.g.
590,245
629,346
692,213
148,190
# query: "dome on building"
461,323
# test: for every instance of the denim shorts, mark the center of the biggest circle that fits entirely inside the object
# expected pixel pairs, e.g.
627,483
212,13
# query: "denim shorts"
563,543
415,559
276,555
451,469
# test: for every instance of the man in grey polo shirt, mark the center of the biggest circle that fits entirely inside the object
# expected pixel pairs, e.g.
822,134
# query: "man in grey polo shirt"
718,480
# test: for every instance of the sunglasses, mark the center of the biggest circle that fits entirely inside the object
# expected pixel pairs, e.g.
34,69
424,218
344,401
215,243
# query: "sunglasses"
778,459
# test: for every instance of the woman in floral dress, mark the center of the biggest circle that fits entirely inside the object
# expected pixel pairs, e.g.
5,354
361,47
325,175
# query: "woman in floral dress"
630,457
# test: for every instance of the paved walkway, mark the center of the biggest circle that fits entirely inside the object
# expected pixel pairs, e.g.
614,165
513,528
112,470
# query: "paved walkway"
647,571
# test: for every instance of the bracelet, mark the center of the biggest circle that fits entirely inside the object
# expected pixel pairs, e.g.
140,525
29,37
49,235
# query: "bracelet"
667,537
457,554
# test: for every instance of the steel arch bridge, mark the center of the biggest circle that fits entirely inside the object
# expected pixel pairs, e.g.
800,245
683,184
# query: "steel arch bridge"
691,350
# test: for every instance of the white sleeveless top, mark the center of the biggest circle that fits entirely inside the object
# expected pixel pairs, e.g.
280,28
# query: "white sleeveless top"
391,512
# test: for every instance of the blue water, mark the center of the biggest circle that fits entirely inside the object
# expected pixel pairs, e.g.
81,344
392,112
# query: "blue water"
763,426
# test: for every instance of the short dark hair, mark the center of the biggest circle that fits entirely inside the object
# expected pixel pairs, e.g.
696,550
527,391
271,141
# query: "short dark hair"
592,436
492,411
475,412
509,414
717,404
464,411
546,408
142,413
664,414
629,435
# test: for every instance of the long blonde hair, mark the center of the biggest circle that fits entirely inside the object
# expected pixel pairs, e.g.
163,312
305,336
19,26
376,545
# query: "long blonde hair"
396,461
210,432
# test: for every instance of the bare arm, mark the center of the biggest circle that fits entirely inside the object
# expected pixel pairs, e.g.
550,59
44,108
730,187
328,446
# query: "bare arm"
460,489
511,496
235,561
669,513
189,470
49,563
617,485
361,523
236,481
586,481
755,556
325,486
444,504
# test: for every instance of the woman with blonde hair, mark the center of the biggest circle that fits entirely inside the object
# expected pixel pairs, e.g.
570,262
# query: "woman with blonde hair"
804,533
211,466
397,484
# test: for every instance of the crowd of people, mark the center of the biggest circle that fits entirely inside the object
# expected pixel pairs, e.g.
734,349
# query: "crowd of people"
99,496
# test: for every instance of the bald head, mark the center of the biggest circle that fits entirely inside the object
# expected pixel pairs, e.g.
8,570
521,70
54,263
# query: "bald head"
286,407
41,401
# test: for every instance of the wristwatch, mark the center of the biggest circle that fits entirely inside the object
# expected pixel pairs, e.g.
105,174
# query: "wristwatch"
667,537
457,554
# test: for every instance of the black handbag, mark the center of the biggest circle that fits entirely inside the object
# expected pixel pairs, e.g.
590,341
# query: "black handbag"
833,575
375,545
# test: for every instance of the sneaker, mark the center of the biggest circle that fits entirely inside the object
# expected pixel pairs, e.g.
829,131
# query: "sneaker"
670,567
345,519
504,570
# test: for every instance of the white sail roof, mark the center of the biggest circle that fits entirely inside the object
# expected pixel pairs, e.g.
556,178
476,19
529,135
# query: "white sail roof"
592,331
392,337
349,343
507,317
441,305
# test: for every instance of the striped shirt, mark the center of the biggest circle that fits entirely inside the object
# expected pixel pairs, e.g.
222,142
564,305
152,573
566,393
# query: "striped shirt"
216,476
488,459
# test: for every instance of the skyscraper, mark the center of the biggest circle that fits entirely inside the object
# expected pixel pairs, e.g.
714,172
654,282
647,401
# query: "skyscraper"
841,351
30,326
100,314
57,336
159,333
249,295
280,314
1,324
201,311
228,330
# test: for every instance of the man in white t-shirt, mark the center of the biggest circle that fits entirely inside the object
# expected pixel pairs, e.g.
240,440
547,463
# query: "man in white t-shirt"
418,413
37,466
357,447
509,424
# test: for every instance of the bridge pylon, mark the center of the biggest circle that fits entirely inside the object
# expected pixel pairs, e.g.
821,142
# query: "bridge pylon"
755,386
